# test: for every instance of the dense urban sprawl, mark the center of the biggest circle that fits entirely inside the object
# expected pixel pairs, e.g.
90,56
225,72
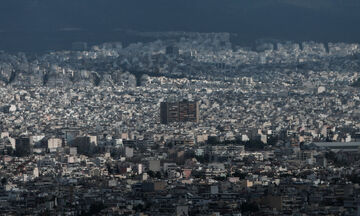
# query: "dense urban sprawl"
278,130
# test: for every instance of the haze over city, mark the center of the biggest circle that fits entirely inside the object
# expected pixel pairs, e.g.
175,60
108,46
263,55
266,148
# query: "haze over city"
180,108
50,24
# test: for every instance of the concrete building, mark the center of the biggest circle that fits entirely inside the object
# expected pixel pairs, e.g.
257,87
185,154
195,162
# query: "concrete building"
340,146
23,147
154,165
183,111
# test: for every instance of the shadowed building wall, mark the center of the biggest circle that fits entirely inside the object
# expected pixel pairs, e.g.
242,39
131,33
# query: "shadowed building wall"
183,111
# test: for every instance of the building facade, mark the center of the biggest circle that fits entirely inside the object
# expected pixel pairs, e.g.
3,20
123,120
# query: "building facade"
183,111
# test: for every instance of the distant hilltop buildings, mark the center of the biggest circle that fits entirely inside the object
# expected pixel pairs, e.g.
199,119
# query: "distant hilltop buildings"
181,111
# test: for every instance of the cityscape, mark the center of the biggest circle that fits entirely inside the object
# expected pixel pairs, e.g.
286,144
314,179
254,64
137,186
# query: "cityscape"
186,126
180,108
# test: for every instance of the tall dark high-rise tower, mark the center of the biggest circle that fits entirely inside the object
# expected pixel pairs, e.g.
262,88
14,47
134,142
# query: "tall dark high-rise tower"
183,111
172,50
23,147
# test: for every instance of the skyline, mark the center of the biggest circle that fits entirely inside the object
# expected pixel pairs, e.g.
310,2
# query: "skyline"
180,108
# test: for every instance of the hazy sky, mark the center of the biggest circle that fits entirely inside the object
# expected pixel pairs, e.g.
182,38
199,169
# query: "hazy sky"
327,20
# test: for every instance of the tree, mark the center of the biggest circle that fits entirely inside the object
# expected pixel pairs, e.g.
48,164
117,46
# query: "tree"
240,175
95,208
3,181
158,175
356,83
249,207
151,174
220,178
